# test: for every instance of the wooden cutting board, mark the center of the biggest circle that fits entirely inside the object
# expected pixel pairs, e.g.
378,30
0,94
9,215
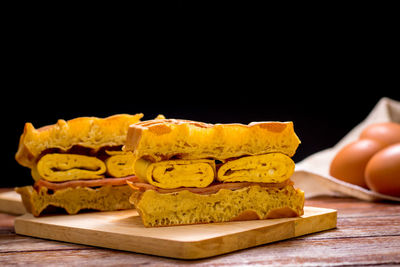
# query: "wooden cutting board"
123,230
10,202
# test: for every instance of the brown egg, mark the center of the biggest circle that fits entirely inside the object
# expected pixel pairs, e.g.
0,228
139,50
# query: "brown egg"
386,132
382,173
350,162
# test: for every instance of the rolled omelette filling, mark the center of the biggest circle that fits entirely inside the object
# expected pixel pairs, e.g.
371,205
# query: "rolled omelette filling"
120,164
66,167
176,173
61,167
267,168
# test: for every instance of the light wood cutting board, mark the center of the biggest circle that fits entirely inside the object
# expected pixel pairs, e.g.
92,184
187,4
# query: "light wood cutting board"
10,202
123,230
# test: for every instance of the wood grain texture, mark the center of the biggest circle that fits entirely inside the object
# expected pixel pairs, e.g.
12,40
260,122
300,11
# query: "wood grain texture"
367,233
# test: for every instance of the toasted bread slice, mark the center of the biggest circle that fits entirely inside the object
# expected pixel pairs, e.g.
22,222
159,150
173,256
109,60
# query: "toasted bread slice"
104,198
169,138
89,132
247,203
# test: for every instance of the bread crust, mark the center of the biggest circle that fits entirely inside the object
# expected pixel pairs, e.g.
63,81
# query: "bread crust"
90,132
285,212
171,138
73,200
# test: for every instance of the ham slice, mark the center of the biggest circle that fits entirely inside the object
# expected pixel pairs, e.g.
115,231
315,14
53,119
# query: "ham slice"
211,189
84,183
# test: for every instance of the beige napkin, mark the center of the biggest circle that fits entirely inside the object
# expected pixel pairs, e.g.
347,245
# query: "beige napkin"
312,173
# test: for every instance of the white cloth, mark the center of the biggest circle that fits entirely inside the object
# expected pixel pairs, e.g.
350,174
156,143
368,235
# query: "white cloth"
312,173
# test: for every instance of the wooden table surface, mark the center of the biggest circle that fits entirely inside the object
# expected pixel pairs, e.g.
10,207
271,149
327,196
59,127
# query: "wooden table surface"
367,234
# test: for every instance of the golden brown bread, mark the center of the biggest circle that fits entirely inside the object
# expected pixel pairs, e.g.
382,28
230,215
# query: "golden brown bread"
247,203
80,160
169,138
89,132
105,198
252,182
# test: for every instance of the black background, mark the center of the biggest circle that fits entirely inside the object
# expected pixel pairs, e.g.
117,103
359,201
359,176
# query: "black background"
324,72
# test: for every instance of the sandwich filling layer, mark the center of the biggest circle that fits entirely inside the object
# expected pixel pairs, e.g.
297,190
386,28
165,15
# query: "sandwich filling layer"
67,167
211,189
83,183
119,164
176,173
267,168
83,164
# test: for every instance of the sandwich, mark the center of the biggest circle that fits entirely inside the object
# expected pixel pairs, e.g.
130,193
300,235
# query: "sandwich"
192,172
77,164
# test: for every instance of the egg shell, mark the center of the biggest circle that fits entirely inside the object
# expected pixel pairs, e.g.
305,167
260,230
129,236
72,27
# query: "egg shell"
386,132
382,173
350,162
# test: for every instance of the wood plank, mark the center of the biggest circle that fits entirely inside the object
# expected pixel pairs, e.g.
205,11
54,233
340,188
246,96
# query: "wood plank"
360,227
16,243
351,207
342,251
123,230
294,252
366,234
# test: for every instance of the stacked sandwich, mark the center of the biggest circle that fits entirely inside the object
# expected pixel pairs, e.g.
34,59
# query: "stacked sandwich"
77,164
192,172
